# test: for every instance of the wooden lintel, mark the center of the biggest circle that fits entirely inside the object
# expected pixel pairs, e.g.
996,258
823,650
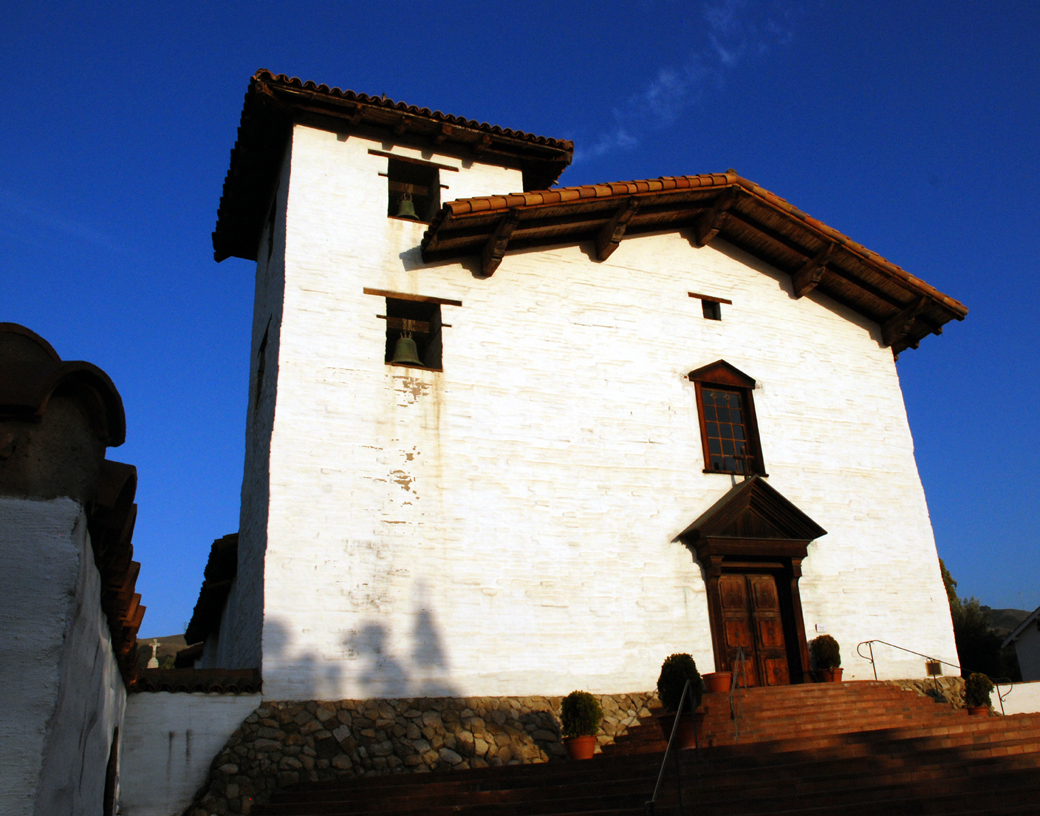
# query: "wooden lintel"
811,273
895,329
710,221
496,245
444,135
613,231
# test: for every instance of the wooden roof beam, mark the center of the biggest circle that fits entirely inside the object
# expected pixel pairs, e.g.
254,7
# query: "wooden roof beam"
896,329
710,221
811,273
613,231
496,244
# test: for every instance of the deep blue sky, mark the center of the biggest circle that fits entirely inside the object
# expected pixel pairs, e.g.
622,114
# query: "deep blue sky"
913,128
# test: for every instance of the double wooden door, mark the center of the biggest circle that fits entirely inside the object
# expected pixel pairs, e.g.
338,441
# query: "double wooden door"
751,618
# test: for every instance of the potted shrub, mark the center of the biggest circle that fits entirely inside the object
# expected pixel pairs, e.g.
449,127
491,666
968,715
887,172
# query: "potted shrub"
826,658
675,671
976,694
580,716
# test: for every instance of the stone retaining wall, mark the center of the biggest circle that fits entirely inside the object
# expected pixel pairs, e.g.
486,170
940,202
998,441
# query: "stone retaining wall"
949,689
285,743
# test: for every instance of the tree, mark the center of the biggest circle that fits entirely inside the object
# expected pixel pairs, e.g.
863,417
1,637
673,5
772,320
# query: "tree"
978,645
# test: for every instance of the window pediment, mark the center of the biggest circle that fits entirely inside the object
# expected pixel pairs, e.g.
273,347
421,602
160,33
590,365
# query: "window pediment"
722,373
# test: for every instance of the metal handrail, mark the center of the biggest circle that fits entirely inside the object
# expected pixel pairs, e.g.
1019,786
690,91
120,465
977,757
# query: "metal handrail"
736,703
997,681
649,806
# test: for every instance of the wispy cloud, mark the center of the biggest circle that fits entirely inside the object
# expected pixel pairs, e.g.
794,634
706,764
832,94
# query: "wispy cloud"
32,217
734,30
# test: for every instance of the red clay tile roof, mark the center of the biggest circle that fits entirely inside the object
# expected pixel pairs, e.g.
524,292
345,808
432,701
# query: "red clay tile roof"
221,569
222,681
30,371
274,102
722,204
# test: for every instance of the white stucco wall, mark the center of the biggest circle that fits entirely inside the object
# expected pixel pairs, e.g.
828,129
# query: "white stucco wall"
63,695
1024,698
507,526
169,741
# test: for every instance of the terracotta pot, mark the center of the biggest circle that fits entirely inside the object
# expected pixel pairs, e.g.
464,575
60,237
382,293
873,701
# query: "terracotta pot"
717,682
978,711
829,675
580,747
688,734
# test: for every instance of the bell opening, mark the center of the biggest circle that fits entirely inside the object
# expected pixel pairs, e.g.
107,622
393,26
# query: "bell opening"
413,333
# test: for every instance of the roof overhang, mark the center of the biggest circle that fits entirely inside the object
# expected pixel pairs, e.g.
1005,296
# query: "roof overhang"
703,207
273,103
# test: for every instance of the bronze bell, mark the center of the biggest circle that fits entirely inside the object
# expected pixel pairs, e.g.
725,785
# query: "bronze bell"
406,351
406,209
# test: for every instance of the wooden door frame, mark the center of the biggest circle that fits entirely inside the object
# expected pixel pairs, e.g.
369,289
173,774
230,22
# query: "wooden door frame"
787,570
750,527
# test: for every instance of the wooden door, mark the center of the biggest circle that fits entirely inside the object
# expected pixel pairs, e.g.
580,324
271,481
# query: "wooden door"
751,619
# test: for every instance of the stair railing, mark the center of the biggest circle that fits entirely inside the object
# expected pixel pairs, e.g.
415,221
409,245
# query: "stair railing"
997,681
648,807
736,700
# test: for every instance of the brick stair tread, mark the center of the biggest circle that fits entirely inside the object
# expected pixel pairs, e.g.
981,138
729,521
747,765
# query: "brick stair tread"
919,805
522,788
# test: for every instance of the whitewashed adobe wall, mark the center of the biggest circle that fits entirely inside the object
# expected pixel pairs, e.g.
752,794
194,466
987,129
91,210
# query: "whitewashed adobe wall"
63,695
1023,699
507,526
169,741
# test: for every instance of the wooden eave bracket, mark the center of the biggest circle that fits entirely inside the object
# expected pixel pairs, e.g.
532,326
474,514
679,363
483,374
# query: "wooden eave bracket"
496,244
482,145
613,231
806,279
444,135
709,222
896,329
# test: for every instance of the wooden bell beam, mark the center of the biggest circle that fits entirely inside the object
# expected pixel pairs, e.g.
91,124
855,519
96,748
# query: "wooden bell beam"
811,273
613,231
895,329
496,245
710,221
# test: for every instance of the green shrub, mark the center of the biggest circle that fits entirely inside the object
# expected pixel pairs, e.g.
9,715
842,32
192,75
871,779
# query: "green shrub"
675,671
976,690
581,715
825,652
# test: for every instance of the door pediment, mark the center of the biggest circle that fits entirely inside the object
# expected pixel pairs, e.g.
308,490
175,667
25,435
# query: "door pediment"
750,517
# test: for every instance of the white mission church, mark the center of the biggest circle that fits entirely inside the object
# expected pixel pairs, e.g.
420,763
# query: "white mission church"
625,420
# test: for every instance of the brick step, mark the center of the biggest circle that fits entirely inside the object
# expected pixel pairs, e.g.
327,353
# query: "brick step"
939,773
474,791
649,736
894,802
869,794
541,773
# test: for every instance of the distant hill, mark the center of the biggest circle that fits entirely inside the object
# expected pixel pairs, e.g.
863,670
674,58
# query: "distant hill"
1005,621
